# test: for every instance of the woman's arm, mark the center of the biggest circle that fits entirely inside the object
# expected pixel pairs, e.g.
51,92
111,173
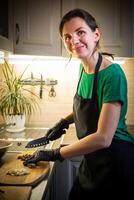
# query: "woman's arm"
70,118
102,138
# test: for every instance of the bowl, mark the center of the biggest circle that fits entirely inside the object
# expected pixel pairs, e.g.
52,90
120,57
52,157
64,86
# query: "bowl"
4,145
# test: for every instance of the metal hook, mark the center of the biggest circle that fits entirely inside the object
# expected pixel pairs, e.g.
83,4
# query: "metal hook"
52,92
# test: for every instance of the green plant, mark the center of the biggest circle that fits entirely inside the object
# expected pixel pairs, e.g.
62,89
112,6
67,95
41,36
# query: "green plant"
15,98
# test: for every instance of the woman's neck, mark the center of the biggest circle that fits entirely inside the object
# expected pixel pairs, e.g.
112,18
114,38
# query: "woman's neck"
89,63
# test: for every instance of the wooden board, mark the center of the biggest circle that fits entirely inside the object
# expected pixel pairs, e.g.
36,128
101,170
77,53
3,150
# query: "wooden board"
36,174
15,193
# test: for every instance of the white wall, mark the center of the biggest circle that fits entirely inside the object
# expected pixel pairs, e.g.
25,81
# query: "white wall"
128,68
54,108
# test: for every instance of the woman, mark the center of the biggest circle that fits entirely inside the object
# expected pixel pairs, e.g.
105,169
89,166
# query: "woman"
99,110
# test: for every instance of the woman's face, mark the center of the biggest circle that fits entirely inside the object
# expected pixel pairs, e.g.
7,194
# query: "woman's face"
78,38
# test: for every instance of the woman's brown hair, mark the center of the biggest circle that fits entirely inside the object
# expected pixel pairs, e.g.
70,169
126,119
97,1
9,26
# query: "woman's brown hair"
87,17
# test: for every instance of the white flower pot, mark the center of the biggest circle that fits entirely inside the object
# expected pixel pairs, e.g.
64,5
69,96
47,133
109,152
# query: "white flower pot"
19,121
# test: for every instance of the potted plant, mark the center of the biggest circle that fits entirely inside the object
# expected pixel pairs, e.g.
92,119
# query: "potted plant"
16,101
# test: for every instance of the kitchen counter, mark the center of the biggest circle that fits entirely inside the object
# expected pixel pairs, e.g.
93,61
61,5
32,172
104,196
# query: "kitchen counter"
70,137
28,134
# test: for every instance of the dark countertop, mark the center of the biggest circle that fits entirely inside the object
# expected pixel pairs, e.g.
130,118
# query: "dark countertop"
27,133
39,132
20,139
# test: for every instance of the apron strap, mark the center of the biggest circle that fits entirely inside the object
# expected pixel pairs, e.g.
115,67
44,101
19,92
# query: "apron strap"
97,67
94,93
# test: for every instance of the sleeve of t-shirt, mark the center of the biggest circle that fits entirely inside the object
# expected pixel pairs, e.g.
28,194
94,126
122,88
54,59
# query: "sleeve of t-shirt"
115,89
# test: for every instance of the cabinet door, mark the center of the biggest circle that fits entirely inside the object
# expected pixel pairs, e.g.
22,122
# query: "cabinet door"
36,27
5,40
114,19
63,177
73,165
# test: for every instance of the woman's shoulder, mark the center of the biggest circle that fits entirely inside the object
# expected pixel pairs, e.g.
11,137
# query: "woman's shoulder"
113,74
113,69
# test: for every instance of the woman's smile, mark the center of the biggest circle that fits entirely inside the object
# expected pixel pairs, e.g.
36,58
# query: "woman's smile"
78,49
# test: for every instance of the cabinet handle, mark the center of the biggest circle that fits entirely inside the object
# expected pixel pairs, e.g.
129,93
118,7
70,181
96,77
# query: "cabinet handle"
17,29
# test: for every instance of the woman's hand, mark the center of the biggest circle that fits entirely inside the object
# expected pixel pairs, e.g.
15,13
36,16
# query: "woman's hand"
58,129
46,155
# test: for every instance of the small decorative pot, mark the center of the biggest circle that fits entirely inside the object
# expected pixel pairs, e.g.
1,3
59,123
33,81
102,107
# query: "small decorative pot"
18,120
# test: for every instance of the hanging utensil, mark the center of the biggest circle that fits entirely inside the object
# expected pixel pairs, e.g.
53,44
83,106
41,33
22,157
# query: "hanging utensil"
41,87
52,92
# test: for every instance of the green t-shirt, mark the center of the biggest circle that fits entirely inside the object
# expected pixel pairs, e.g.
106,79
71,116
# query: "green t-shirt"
111,87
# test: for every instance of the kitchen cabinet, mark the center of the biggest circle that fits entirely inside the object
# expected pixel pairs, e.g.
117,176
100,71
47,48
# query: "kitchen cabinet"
5,41
114,19
5,44
63,177
35,25
73,165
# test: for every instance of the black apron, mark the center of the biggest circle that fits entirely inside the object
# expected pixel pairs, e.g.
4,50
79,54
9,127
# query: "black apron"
98,170
86,111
